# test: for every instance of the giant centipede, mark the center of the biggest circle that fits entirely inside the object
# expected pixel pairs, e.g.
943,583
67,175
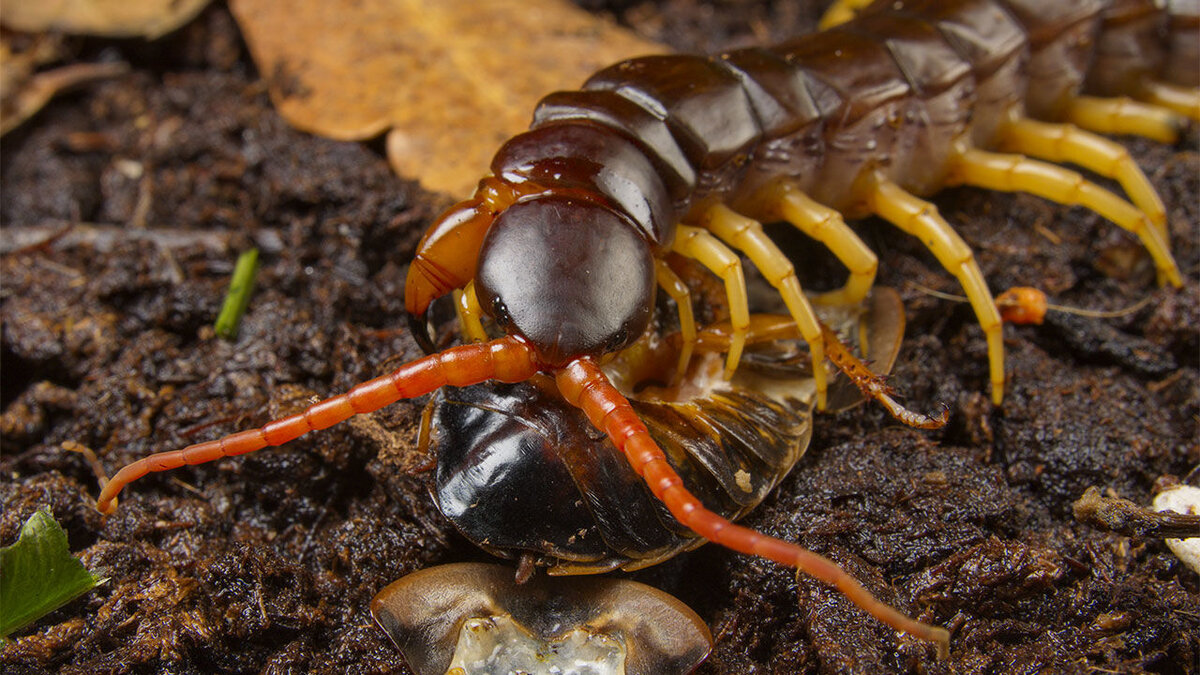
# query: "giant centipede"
561,249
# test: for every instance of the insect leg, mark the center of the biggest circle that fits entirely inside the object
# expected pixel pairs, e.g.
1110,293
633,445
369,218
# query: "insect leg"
1010,173
921,219
694,242
674,287
876,386
585,386
1068,143
1182,100
466,306
1120,116
746,235
828,227
507,359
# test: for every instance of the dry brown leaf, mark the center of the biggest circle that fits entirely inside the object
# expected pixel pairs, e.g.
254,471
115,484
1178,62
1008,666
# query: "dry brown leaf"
110,18
452,79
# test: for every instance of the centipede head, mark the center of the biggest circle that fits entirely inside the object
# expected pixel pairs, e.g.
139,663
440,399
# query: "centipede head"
570,276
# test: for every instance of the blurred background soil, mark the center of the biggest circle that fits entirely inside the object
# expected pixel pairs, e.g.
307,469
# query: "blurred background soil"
126,203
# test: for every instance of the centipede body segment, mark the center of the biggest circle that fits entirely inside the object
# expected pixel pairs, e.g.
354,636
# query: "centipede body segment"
562,247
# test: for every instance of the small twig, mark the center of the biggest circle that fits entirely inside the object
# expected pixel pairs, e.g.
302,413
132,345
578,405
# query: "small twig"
1126,518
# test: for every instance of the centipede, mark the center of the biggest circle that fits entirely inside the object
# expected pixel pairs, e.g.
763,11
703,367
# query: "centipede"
556,262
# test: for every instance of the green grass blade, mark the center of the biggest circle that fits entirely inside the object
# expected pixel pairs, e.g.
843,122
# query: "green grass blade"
239,295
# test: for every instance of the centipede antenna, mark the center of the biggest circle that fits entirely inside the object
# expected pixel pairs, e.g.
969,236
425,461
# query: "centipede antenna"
506,359
585,386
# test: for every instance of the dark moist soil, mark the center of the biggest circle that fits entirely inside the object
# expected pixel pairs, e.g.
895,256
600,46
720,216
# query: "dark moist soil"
266,563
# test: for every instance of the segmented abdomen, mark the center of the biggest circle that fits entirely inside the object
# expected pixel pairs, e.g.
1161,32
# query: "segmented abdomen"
664,136
520,471
1138,42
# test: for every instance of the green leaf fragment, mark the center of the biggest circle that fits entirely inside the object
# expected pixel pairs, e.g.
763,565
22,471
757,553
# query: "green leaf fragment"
239,295
38,574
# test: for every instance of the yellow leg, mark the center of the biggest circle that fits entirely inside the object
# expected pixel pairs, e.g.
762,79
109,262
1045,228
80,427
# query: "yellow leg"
841,11
694,242
920,219
1067,143
747,235
674,287
1182,100
1012,173
466,306
1120,116
828,227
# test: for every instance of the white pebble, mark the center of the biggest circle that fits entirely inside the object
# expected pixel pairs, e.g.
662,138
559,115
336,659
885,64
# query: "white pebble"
1182,499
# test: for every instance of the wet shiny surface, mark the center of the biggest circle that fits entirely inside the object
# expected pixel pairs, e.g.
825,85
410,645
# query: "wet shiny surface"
424,614
522,472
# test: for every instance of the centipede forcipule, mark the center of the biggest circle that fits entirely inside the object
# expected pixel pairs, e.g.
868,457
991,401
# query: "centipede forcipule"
560,247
